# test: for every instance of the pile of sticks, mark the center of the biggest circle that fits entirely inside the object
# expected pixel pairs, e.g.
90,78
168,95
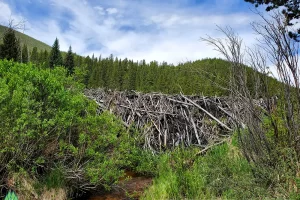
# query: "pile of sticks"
167,121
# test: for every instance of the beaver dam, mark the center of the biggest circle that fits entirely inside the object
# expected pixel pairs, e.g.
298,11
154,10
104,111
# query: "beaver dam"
166,121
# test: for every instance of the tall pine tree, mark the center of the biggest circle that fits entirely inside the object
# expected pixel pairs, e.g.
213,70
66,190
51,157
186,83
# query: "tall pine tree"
25,54
34,55
69,62
55,55
10,48
44,58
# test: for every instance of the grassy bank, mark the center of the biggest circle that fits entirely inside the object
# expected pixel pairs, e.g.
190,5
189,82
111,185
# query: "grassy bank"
223,173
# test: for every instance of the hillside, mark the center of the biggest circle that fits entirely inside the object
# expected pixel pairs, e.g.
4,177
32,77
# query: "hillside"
207,77
29,41
202,77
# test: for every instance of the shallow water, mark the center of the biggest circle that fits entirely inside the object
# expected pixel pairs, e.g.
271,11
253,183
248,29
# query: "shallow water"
131,186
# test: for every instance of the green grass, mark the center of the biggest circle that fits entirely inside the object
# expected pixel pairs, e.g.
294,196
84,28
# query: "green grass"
223,173
29,41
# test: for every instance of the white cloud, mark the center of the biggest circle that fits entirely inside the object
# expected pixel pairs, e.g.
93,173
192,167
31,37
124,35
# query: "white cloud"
137,31
111,11
100,10
6,14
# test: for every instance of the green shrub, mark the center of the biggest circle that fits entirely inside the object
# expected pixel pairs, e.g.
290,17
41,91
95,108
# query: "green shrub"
50,129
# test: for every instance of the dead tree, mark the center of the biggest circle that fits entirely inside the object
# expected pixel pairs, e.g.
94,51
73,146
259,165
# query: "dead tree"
267,131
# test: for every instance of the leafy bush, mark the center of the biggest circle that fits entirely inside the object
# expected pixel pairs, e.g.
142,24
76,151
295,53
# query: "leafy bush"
49,129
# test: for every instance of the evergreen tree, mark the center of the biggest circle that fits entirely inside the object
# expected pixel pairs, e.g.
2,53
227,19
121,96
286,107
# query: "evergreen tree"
112,84
122,67
88,67
69,62
132,75
11,47
45,58
20,51
105,76
34,55
55,55
25,54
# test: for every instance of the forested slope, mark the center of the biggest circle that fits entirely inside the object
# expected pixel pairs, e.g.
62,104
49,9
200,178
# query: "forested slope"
207,77
29,41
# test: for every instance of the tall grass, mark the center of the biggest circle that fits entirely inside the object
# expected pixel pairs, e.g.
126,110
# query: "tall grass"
221,173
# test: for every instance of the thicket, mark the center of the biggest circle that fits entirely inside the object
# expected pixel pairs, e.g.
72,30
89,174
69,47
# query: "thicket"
50,132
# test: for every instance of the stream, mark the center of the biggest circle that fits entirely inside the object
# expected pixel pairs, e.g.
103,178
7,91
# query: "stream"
131,186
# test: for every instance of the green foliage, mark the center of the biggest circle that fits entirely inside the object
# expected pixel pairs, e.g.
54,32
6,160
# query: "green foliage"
55,55
49,128
208,76
34,55
134,157
54,179
10,49
24,54
222,173
276,160
44,58
69,62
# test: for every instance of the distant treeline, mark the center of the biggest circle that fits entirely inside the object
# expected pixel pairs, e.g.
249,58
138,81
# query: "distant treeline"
207,77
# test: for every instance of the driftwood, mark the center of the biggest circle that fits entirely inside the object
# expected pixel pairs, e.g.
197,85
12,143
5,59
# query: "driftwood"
168,121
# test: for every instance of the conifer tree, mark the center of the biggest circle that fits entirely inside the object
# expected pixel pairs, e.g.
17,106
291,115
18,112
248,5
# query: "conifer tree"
132,75
69,62
10,48
45,58
34,55
123,65
88,67
55,55
25,54
20,51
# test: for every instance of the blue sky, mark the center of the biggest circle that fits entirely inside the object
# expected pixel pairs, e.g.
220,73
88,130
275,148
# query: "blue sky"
163,30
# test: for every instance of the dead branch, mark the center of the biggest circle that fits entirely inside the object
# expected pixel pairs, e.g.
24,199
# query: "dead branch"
167,121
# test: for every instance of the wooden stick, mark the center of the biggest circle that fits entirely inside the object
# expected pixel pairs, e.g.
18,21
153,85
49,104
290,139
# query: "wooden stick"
210,146
213,117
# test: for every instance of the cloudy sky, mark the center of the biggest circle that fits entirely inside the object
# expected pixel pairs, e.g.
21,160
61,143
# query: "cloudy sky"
162,30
